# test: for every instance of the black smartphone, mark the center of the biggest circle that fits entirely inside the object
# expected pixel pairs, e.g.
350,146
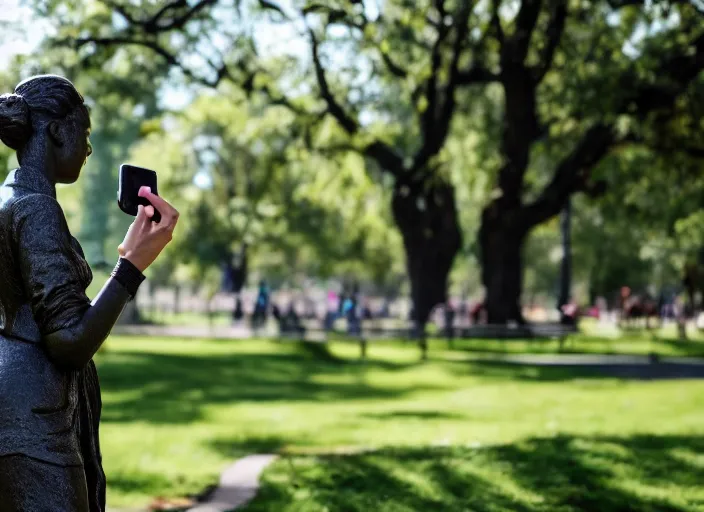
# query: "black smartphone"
130,180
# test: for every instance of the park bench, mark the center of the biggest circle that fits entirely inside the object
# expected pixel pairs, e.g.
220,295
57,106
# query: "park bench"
536,331
531,331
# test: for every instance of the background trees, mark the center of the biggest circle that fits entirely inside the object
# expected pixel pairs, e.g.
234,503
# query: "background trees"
477,118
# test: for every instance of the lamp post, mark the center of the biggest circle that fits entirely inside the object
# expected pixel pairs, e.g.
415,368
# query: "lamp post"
566,264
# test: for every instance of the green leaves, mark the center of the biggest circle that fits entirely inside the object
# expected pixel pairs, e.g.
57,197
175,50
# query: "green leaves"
297,209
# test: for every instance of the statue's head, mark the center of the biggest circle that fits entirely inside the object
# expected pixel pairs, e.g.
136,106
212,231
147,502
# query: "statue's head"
47,120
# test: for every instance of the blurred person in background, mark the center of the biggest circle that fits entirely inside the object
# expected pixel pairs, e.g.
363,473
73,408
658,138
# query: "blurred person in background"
261,307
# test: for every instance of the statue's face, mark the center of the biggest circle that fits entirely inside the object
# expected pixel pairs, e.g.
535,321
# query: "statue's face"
74,150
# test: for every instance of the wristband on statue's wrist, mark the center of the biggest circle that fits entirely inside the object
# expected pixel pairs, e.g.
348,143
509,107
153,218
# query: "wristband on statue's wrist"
128,275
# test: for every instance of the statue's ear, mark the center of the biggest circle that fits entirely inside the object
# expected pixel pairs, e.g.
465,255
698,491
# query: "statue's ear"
55,133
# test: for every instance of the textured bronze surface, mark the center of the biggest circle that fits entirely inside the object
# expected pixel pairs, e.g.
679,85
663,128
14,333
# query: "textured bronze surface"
30,485
50,403
49,331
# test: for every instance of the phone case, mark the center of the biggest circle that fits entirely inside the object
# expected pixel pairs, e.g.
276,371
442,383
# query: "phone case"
131,178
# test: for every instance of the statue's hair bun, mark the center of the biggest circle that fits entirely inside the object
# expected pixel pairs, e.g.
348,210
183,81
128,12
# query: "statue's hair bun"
15,122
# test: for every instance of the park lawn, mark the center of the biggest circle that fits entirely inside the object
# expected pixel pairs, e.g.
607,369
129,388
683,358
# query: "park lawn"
448,433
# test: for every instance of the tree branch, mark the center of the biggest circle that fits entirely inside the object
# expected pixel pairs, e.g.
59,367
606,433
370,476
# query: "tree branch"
394,68
378,151
284,101
170,58
572,174
477,74
386,156
439,114
428,117
348,123
618,4
556,27
178,22
521,127
526,19
271,6
153,24
495,21
462,30
222,72
122,11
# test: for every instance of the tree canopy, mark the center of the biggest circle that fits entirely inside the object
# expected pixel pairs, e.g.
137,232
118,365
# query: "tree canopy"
465,117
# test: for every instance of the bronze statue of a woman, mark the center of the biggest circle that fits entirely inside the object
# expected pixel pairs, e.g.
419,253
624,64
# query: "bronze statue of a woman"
49,329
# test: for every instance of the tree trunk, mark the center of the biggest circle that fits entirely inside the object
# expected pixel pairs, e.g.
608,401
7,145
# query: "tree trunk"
501,238
427,219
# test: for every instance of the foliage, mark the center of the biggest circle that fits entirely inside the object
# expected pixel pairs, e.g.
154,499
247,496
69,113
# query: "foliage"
120,97
242,175
517,105
542,474
6,154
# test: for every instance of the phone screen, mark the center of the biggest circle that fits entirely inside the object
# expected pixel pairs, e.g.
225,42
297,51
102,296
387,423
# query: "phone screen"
131,179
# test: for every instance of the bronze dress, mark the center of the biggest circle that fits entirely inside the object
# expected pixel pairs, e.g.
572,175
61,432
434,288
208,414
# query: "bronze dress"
49,408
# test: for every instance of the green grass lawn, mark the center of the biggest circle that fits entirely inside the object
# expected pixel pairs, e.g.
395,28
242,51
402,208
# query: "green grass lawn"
218,318
448,434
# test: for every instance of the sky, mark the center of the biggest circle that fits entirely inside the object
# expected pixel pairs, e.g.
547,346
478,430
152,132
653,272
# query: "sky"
17,38
20,33
14,20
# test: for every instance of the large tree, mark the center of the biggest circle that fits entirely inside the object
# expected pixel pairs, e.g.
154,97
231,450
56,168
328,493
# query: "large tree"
570,81
423,202
571,95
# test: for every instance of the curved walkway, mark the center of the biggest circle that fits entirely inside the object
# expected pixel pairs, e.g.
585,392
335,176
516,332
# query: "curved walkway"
238,485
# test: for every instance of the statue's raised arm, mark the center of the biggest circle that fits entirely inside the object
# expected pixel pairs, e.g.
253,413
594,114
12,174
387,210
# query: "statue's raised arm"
49,329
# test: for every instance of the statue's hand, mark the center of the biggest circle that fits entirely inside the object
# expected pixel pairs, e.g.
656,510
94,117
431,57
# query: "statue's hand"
145,239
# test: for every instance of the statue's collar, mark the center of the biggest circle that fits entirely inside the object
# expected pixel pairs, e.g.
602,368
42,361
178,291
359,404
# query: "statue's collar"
31,179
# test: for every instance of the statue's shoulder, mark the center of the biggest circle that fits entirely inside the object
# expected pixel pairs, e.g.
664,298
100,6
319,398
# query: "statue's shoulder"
36,213
28,203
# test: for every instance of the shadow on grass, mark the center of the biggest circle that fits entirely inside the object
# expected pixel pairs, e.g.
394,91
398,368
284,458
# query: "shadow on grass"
175,388
140,482
235,449
415,415
549,372
685,348
146,482
565,474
